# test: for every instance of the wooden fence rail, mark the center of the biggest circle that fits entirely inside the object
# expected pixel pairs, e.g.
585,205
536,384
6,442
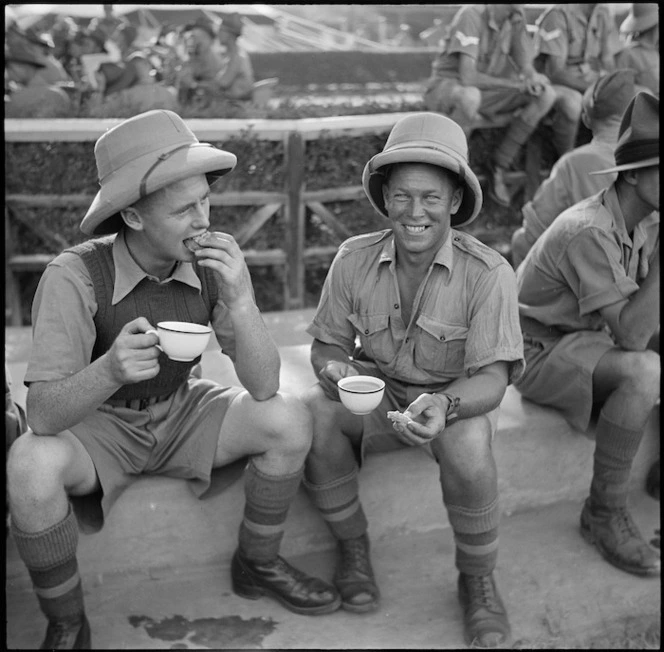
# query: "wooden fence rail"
293,202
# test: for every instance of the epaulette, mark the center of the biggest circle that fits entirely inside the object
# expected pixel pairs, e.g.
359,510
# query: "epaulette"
363,241
472,246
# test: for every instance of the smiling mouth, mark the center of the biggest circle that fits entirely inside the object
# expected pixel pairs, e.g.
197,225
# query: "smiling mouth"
414,229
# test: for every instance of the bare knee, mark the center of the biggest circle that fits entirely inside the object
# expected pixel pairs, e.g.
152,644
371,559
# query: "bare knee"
642,374
288,423
36,466
464,449
468,100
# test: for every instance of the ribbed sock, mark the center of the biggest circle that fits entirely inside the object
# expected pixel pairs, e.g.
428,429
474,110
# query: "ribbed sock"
476,537
615,449
339,504
50,557
517,135
268,498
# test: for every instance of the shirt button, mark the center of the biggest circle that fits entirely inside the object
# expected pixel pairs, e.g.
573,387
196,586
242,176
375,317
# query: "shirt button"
456,238
366,331
396,306
408,339
442,338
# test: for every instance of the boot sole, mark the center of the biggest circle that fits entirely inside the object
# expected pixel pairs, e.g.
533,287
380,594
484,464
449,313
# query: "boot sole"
255,592
359,608
634,570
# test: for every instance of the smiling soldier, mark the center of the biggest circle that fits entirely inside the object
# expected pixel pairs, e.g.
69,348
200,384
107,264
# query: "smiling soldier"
436,315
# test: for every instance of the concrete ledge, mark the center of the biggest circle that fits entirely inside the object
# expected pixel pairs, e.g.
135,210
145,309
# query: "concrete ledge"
157,522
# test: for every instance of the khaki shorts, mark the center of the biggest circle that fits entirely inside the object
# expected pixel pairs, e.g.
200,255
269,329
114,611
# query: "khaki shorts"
177,437
378,435
440,95
559,372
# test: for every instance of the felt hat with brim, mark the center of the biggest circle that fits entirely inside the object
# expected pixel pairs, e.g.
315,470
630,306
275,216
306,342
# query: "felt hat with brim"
610,95
142,155
638,136
426,138
23,52
204,24
232,23
641,17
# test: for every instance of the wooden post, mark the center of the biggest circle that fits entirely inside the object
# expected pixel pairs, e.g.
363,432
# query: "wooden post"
294,146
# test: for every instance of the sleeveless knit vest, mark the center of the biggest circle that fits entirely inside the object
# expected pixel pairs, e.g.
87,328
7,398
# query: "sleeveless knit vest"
173,301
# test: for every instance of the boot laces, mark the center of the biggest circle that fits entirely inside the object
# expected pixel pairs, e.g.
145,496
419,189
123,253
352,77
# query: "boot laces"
482,593
62,633
355,556
626,527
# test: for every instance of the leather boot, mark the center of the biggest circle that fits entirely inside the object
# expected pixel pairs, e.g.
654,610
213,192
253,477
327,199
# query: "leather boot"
297,591
619,541
484,615
354,576
67,634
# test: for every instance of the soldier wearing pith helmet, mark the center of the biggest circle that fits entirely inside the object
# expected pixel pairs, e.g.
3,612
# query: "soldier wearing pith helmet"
436,317
105,404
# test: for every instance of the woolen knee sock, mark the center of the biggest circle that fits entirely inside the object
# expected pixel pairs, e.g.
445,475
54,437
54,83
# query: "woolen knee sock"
615,449
268,498
476,537
339,504
516,137
50,557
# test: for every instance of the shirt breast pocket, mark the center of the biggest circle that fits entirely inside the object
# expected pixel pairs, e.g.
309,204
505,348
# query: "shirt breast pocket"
440,347
374,334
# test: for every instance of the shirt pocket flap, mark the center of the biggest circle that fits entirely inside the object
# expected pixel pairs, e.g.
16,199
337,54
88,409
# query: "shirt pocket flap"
440,330
369,324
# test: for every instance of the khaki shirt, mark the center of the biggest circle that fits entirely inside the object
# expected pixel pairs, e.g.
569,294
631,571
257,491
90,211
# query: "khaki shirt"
473,31
644,60
585,261
464,316
63,329
568,183
564,31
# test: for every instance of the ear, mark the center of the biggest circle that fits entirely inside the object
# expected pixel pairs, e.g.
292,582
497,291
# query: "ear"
586,120
132,218
457,198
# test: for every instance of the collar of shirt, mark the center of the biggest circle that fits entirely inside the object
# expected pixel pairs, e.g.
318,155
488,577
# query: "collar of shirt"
611,203
128,274
444,256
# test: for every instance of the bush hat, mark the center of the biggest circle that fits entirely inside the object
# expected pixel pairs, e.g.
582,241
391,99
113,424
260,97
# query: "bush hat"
638,136
610,95
232,23
426,138
143,154
641,17
204,24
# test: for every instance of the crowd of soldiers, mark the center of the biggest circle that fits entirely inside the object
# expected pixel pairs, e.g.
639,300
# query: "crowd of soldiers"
106,68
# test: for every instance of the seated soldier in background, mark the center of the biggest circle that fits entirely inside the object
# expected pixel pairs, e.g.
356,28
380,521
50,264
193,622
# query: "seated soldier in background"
28,93
236,80
203,63
575,43
604,103
472,75
589,296
641,51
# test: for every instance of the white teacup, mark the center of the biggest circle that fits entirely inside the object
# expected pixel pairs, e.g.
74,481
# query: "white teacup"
361,394
182,341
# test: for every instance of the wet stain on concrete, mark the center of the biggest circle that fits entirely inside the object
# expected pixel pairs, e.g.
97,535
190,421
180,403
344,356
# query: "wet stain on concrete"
226,631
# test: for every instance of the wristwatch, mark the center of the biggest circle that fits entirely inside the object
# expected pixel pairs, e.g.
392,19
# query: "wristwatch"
452,407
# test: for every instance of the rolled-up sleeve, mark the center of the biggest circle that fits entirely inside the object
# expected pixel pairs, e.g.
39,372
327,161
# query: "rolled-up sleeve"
63,330
330,323
593,271
465,34
495,332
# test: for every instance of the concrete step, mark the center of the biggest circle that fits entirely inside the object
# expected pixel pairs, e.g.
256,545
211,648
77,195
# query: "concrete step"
158,531
559,593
